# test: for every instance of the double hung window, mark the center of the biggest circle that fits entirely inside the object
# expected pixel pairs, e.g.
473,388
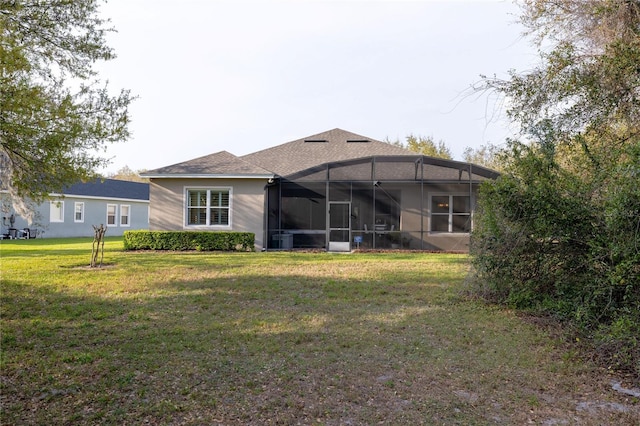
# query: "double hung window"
112,211
124,215
451,213
78,215
112,215
208,207
56,211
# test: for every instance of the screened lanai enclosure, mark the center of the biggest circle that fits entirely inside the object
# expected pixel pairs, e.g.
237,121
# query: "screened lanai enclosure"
375,203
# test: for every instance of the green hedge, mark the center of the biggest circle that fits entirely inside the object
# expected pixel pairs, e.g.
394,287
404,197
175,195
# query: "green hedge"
189,240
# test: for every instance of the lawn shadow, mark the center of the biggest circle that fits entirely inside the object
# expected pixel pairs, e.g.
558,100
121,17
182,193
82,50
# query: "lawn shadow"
251,345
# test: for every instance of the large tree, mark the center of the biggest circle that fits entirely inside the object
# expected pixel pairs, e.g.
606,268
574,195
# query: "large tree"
425,145
589,80
56,115
126,173
559,231
486,155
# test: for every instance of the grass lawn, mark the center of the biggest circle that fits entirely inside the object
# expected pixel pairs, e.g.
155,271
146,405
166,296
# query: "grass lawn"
275,338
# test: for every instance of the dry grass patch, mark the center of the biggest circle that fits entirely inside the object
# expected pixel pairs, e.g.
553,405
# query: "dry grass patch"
282,338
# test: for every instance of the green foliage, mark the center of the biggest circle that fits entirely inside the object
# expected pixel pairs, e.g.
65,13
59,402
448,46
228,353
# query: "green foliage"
560,242
559,231
589,78
489,156
188,240
425,145
55,114
126,173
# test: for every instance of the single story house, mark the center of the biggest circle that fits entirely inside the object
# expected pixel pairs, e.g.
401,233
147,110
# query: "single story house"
335,190
117,204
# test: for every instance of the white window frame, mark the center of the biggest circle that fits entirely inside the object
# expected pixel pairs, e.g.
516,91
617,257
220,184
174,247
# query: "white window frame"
79,204
115,215
128,215
450,214
208,207
56,211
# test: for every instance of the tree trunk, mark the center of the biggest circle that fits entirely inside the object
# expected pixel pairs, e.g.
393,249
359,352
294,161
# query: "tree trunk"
97,247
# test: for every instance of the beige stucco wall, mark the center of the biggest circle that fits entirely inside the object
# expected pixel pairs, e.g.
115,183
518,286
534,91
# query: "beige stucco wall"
167,204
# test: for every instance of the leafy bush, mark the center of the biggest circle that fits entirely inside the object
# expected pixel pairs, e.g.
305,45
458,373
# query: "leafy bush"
565,242
189,240
560,231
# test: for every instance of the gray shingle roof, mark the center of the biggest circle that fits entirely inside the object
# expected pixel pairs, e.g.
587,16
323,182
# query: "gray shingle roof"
326,147
110,188
221,163
304,154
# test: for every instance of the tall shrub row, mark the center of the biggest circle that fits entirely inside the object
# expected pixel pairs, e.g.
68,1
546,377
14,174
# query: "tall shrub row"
565,242
559,231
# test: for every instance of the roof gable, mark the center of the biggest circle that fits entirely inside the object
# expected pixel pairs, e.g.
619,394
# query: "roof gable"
298,156
330,146
220,164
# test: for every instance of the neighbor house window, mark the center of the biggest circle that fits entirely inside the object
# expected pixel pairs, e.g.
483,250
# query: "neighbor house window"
209,207
78,215
451,213
124,214
56,211
111,214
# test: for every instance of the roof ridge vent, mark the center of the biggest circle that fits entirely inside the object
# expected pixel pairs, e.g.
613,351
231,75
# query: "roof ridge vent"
315,140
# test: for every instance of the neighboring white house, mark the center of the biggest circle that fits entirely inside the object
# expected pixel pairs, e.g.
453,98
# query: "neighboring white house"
119,205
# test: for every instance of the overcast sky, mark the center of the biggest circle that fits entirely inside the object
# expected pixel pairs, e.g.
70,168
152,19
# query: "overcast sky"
242,76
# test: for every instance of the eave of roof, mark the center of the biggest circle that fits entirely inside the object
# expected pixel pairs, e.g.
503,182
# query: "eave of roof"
295,157
96,197
207,176
221,164
425,161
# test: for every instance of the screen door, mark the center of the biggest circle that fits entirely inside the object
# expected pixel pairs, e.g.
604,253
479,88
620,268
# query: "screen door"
339,226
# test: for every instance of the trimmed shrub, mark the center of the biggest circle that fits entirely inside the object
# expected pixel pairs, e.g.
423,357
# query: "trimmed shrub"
189,240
